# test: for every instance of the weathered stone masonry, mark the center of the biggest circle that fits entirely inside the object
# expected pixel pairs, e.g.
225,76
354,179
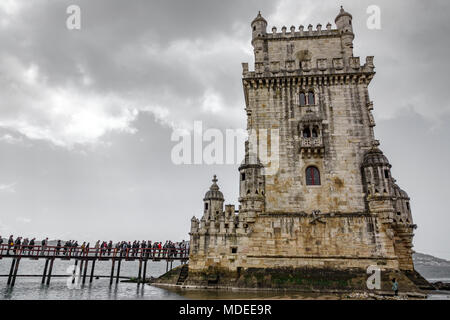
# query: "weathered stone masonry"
308,85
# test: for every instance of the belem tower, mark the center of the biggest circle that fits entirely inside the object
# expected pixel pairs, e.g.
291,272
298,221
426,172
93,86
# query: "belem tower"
333,208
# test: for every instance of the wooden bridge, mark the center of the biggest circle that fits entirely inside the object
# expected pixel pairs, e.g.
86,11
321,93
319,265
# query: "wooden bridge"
83,256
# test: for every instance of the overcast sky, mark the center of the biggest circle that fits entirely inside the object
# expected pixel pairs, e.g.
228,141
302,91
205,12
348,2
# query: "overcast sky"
86,116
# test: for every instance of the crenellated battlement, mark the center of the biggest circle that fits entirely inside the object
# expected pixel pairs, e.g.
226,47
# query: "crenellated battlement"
306,50
318,67
301,33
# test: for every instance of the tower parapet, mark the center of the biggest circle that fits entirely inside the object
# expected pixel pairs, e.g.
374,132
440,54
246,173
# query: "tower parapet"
308,52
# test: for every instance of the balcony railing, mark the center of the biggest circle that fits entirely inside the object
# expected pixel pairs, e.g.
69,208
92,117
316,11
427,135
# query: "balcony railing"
311,142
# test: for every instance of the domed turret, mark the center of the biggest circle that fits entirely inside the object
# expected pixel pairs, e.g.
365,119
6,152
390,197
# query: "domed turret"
213,201
402,206
377,177
214,192
251,186
345,27
344,21
259,26
375,157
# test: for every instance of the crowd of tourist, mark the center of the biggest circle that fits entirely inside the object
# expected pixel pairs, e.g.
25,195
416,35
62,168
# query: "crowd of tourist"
147,249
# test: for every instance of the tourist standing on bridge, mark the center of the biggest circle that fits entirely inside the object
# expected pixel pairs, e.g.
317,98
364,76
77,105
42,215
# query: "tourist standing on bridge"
58,247
17,244
123,248
149,248
143,248
182,248
66,247
10,243
31,245
75,246
130,248
102,248
44,245
164,248
110,245
117,248
133,249
25,245
97,246
69,247
138,245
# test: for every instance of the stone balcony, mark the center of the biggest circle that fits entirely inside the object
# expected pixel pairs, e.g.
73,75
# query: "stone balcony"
312,147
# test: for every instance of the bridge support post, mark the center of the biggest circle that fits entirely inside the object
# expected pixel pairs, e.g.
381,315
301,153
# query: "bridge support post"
11,270
81,267
75,270
92,271
112,272
13,281
49,276
140,271
45,271
85,270
118,271
145,271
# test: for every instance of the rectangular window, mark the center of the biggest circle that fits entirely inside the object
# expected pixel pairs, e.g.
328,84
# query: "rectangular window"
386,174
234,250
243,176
206,206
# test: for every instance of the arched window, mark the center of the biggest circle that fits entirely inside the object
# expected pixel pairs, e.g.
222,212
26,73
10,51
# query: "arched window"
314,133
302,99
312,176
311,100
306,133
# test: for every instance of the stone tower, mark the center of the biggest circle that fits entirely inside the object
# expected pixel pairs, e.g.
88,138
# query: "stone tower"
332,204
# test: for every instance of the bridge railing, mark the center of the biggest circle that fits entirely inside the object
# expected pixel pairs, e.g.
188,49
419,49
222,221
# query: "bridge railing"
37,251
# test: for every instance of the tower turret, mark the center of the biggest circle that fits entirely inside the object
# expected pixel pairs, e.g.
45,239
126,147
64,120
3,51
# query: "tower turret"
377,174
251,187
259,26
213,201
344,24
259,33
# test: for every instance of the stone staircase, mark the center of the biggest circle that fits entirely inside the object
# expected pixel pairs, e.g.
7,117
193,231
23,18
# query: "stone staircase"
184,272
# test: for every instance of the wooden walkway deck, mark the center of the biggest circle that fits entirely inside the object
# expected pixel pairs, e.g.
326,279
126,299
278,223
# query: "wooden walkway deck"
83,257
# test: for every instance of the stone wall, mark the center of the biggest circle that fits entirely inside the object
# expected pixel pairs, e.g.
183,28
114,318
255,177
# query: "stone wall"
340,242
